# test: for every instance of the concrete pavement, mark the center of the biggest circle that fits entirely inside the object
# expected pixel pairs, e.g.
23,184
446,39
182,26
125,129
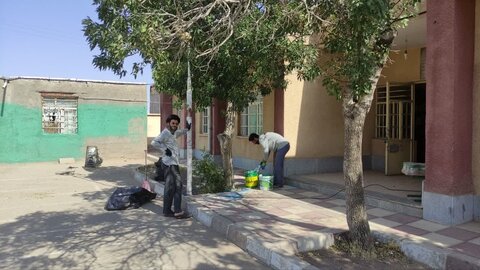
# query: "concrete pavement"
275,225
52,217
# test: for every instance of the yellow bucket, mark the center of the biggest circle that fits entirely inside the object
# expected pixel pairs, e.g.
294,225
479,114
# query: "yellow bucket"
251,179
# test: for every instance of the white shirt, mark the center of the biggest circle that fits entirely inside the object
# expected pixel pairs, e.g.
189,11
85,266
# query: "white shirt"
271,141
168,140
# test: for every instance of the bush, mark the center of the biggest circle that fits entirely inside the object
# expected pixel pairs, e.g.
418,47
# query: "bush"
210,177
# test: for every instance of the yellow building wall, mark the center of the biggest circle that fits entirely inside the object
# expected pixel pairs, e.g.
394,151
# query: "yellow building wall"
241,146
201,140
313,121
476,104
400,69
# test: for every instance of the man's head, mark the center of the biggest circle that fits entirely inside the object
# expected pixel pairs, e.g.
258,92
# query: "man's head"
253,138
172,122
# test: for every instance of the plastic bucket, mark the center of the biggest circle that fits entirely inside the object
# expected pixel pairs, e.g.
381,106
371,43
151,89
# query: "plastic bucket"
266,182
251,179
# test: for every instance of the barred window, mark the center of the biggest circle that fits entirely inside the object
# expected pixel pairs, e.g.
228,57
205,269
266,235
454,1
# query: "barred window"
154,106
59,115
393,112
205,115
251,119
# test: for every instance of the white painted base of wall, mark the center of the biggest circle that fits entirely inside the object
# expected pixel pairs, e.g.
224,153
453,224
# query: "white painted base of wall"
449,210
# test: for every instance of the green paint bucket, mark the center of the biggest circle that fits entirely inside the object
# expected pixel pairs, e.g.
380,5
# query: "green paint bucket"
251,179
266,182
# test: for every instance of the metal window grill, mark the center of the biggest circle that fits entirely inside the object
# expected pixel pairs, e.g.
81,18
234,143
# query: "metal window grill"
59,115
251,119
154,106
393,121
205,120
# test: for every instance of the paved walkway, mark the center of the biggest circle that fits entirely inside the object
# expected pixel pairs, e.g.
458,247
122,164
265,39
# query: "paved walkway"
275,225
307,223
52,217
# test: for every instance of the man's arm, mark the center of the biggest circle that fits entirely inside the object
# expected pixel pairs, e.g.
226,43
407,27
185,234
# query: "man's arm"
180,132
266,151
184,131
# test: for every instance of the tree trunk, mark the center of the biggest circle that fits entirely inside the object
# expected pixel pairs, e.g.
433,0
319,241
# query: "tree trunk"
225,140
354,113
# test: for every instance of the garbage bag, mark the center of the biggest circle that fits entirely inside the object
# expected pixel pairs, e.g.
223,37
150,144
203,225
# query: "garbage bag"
159,172
130,197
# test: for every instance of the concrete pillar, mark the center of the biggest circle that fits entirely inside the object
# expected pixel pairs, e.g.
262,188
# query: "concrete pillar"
476,111
218,125
448,196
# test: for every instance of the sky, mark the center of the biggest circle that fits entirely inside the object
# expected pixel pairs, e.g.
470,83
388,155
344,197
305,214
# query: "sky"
44,38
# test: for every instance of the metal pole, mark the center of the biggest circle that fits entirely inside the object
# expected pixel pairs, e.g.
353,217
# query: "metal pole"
189,133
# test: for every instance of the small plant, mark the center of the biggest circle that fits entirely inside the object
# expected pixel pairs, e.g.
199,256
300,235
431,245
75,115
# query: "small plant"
208,175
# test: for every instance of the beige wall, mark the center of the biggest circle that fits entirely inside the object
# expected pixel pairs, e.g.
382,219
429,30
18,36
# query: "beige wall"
476,104
241,146
401,69
313,120
153,125
201,140
27,91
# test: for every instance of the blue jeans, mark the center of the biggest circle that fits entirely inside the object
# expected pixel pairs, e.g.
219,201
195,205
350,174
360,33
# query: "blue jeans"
278,165
173,190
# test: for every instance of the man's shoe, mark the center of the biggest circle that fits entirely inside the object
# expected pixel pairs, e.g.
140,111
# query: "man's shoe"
169,215
181,215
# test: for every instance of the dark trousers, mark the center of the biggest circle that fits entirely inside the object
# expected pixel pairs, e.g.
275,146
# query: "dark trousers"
278,165
173,190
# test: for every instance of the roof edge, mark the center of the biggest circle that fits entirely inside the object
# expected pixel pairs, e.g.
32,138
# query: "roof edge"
67,79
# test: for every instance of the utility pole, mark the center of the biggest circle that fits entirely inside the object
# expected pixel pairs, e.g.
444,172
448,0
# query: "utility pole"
189,133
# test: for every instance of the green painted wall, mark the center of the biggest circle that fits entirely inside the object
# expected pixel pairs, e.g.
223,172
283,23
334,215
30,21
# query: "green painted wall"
22,138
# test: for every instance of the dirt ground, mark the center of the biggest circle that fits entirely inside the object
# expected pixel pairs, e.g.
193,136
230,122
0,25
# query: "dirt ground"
340,256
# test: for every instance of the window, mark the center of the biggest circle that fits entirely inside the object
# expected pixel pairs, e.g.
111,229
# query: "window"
423,59
154,107
394,121
251,119
205,116
59,115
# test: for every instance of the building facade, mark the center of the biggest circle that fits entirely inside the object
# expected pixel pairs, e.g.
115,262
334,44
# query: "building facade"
43,119
425,110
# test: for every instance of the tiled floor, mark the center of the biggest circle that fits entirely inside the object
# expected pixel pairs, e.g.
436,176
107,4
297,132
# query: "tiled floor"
292,212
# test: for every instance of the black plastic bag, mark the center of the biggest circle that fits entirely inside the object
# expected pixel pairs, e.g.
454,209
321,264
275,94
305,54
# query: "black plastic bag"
160,170
131,197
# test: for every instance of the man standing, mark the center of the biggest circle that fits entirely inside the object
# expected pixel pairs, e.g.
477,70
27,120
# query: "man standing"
167,143
272,142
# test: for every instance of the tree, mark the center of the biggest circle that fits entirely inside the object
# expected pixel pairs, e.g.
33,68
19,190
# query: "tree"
356,36
237,51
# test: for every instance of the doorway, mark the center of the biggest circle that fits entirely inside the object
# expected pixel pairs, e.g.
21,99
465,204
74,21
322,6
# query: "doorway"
400,123
420,110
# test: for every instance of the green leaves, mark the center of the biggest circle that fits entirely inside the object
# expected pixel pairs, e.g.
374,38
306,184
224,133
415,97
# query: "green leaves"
359,34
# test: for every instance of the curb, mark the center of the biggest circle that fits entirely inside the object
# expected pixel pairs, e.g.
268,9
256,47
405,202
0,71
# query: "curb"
434,257
157,187
278,254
